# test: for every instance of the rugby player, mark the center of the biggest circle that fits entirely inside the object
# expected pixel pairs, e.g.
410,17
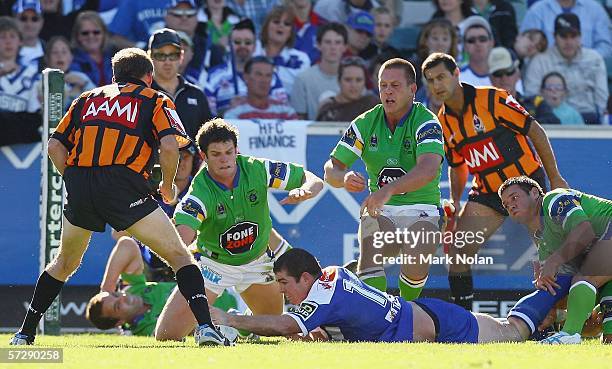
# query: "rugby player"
488,134
226,212
400,143
571,230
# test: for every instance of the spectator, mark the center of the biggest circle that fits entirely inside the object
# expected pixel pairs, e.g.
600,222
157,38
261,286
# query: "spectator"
353,98
225,81
255,10
314,81
594,18
501,16
437,36
217,21
478,42
360,32
187,46
455,11
166,52
396,7
528,44
28,15
59,56
384,25
92,56
277,39
340,10
181,16
583,68
306,23
19,118
258,73
56,23
136,20
554,91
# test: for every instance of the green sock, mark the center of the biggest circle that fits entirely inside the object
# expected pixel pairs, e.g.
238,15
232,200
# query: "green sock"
605,306
379,282
580,303
409,289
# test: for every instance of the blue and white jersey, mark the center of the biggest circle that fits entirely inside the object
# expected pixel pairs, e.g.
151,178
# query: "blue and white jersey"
18,91
224,84
289,63
138,19
339,299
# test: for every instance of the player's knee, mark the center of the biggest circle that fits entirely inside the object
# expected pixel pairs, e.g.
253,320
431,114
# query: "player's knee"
522,329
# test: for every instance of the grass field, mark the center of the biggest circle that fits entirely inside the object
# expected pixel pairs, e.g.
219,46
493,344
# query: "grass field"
107,351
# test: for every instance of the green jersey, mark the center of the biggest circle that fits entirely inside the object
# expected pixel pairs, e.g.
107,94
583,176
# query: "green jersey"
562,210
234,225
154,294
389,155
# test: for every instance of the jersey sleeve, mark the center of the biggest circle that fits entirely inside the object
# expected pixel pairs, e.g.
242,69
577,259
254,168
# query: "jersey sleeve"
167,122
453,157
428,137
564,209
283,176
191,211
511,113
350,146
310,315
67,127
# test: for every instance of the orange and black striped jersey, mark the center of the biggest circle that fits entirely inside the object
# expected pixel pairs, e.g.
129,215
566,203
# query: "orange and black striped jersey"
490,136
118,124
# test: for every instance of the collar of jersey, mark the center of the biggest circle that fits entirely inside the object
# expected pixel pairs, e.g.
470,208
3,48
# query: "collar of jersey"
402,119
134,81
469,93
221,185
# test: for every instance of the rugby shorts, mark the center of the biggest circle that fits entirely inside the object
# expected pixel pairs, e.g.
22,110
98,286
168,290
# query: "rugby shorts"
453,323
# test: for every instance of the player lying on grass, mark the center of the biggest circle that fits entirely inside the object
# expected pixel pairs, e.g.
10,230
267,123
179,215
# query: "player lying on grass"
335,297
572,230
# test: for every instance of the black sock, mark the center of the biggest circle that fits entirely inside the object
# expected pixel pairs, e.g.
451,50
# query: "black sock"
191,284
462,289
47,289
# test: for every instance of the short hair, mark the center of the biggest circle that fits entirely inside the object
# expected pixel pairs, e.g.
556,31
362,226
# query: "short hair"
91,16
332,26
131,63
295,262
381,10
403,64
10,24
524,182
443,23
246,23
435,59
553,74
216,130
257,59
93,313
277,13
543,44
352,61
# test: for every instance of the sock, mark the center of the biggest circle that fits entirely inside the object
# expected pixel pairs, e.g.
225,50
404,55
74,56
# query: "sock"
410,289
580,303
47,289
374,277
191,284
605,306
462,289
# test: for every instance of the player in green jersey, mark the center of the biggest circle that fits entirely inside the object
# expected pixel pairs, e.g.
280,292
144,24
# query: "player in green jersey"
400,142
570,229
226,213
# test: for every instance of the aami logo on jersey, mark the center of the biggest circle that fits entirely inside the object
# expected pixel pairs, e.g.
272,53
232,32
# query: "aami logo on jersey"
482,155
240,237
388,175
122,110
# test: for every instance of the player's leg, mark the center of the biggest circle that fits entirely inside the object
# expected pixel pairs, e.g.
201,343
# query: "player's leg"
73,243
124,258
605,308
474,217
370,268
264,299
500,330
414,273
176,320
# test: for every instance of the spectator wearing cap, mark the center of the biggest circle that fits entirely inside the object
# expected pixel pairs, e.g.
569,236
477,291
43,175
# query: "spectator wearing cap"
321,77
56,23
28,15
583,68
217,20
384,25
306,23
277,40
340,10
258,73
166,52
225,81
360,31
595,33
477,43
92,53
501,16
136,20
181,15
255,10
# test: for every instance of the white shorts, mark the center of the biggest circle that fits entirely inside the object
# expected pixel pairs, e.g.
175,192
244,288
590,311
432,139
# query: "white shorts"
219,276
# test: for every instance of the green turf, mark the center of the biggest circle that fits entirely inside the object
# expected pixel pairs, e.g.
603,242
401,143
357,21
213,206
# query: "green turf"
108,351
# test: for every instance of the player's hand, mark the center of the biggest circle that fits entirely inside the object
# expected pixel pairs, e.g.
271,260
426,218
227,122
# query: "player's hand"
354,182
558,182
374,203
296,195
219,317
168,191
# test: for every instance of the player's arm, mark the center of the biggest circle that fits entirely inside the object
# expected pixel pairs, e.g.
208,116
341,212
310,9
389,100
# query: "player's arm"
186,233
168,161
311,186
457,178
542,145
337,175
576,241
264,325
58,153
125,258
425,171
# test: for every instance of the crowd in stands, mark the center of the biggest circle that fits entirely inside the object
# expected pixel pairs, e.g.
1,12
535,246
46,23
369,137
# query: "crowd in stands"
304,59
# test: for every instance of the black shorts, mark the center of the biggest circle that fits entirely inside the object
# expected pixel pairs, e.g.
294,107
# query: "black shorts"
99,195
493,201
